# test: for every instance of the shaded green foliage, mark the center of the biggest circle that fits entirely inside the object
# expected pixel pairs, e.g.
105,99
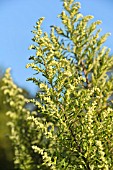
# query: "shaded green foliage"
6,148
6,151
74,129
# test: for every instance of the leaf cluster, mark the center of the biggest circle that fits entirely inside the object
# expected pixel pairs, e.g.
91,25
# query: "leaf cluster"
75,128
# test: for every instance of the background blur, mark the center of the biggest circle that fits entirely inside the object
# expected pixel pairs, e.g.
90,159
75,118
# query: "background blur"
17,19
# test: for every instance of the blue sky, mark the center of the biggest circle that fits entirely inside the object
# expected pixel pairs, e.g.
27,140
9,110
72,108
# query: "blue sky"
17,18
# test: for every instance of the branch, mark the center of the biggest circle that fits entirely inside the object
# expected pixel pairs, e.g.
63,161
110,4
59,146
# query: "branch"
85,73
77,144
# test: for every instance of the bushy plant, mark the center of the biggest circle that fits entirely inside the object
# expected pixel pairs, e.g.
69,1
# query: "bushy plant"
73,128
6,156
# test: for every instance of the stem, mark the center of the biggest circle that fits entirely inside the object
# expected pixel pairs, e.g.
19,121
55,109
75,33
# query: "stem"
75,140
79,149
85,73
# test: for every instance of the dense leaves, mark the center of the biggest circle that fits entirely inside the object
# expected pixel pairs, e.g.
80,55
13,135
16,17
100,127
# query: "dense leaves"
6,153
73,128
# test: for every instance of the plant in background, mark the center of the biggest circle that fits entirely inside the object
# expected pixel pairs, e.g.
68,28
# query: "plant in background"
73,129
6,156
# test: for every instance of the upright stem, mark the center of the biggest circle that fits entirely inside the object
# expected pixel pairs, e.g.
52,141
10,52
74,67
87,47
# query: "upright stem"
77,144
85,73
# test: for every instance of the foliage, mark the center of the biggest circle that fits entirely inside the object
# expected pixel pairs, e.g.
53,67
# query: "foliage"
6,154
74,128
